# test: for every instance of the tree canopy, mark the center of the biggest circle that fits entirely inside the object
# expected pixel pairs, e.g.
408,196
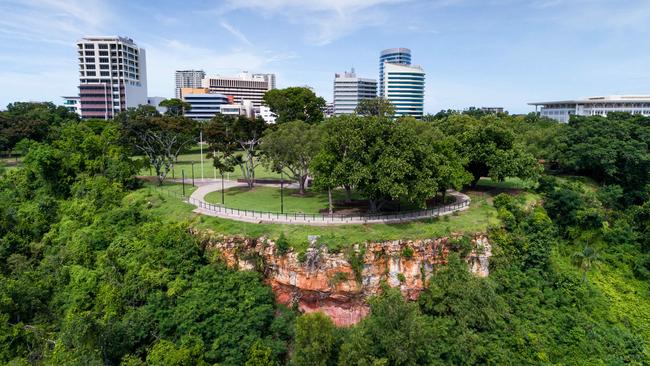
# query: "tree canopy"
159,138
291,147
295,103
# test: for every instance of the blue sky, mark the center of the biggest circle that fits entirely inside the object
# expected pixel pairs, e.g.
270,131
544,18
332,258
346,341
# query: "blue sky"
475,52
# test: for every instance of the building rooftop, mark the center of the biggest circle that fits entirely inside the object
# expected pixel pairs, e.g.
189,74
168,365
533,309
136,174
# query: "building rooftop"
609,98
395,50
394,64
106,38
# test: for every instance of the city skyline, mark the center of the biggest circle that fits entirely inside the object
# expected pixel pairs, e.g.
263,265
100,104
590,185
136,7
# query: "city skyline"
476,53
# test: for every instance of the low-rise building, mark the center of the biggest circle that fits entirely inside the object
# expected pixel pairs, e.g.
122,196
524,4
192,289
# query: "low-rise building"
155,102
72,104
593,106
204,105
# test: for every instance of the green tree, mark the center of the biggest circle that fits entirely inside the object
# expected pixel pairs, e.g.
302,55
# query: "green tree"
395,164
338,162
30,120
314,340
175,107
225,133
260,355
295,103
395,332
489,146
380,107
166,353
612,150
585,260
159,138
292,146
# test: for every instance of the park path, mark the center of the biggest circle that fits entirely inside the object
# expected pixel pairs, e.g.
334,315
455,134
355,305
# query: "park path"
206,186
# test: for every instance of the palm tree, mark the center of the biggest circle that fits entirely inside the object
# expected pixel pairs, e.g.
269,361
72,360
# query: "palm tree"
585,260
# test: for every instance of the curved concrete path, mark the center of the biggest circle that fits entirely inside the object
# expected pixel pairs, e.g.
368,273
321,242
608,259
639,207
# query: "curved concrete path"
207,186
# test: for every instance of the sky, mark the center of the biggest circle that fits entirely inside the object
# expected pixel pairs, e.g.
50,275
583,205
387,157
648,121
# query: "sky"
475,52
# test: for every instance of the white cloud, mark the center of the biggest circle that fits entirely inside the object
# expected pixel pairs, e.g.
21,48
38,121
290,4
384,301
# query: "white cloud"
326,20
167,56
236,32
58,21
590,15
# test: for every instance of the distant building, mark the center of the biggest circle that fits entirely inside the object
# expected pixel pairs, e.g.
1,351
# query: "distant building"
403,86
328,111
349,90
72,104
155,102
493,110
401,56
594,106
204,105
112,76
244,86
266,114
188,79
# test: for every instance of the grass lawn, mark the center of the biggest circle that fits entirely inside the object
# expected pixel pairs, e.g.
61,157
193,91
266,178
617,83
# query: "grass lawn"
184,164
509,183
477,219
267,199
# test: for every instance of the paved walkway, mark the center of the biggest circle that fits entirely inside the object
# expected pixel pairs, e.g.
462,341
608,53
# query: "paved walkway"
210,185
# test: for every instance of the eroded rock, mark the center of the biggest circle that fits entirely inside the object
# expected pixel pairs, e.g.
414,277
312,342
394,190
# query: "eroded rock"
339,284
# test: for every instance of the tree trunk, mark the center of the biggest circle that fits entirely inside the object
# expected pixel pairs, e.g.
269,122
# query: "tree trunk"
302,180
329,199
375,205
444,194
348,193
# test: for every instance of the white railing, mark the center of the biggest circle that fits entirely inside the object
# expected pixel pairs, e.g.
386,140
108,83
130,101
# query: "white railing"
305,218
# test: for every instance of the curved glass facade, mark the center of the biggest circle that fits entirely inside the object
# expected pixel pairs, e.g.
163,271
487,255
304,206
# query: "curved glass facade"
393,55
405,89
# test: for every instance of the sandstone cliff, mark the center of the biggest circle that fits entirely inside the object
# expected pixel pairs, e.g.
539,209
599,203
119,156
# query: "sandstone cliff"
338,284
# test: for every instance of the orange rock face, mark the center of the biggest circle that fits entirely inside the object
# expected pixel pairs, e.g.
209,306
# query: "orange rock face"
322,281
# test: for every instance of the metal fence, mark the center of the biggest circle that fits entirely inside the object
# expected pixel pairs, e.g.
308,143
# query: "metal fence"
250,215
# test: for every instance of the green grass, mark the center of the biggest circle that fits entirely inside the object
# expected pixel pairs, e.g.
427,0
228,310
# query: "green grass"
267,199
184,165
477,219
509,183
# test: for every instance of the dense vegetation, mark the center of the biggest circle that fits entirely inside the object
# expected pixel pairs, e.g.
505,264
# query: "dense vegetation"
90,276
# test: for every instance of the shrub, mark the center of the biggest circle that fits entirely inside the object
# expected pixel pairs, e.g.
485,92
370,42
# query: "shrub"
407,252
282,245
401,277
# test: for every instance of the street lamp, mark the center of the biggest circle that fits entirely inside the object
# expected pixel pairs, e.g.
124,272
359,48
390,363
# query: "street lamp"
281,192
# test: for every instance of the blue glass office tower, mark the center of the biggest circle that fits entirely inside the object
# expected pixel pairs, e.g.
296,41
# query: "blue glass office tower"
400,56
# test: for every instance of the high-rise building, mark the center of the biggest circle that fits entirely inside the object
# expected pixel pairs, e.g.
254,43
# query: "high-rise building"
112,76
188,79
562,110
244,86
404,88
349,90
72,104
400,56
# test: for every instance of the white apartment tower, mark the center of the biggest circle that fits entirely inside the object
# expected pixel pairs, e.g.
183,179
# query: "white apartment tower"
112,76
245,86
404,88
188,79
349,90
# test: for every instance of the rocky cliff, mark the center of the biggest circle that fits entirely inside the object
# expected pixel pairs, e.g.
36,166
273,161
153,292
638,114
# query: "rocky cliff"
338,284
